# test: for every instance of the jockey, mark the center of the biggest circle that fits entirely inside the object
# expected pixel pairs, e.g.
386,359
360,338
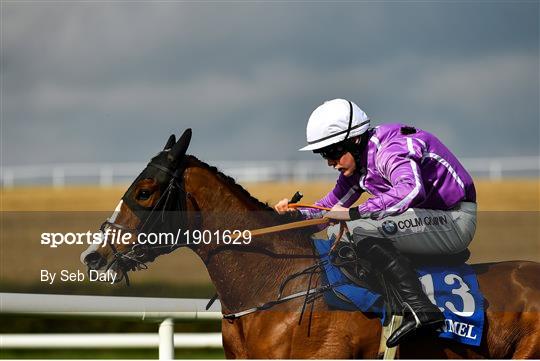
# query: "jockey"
423,200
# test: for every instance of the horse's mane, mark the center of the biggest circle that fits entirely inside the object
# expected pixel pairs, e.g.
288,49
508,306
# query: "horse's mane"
238,189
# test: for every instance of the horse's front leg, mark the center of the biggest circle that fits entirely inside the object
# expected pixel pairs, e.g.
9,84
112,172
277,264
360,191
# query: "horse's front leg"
234,343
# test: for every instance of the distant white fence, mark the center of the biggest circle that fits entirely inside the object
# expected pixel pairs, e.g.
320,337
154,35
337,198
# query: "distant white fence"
164,310
107,174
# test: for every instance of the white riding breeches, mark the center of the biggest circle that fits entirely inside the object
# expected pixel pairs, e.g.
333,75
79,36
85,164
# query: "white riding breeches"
421,231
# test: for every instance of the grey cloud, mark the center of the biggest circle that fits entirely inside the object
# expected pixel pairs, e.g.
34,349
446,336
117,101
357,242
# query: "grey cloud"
111,80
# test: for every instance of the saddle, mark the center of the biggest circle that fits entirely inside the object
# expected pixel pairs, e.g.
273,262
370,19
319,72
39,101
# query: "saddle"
359,271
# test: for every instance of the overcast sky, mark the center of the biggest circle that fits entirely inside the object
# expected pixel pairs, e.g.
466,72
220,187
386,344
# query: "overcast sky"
109,81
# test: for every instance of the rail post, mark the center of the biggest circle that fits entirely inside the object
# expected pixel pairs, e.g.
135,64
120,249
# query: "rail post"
495,170
106,176
166,339
8,178
58,177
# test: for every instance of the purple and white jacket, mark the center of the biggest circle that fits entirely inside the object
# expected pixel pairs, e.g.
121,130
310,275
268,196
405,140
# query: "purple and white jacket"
401,171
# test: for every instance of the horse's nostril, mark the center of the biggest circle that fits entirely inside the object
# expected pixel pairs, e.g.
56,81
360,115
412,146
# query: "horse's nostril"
94,260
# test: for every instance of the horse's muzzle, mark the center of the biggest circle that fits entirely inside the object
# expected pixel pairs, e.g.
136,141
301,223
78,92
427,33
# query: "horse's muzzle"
94,261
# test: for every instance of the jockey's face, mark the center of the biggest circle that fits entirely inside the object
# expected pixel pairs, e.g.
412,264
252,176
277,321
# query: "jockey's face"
345,164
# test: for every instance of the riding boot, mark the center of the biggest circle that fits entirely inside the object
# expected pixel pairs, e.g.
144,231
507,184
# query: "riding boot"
395,268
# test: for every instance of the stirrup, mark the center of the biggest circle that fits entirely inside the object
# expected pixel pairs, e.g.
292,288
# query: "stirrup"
397,336
416,319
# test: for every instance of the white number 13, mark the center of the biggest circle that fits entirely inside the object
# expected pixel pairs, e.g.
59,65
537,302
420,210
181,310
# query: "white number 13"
462,291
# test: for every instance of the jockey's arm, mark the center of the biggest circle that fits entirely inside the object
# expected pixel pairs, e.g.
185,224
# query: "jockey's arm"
344,194
400,165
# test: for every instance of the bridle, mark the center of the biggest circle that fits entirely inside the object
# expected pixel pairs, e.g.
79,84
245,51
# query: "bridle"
139,254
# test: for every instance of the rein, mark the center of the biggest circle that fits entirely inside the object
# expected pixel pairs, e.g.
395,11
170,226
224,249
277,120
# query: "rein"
287,226
314,206
293,225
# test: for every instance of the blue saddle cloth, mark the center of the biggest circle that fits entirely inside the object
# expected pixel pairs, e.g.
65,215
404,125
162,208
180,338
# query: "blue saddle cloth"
454,289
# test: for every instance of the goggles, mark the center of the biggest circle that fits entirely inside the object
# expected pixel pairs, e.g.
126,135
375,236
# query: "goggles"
332,152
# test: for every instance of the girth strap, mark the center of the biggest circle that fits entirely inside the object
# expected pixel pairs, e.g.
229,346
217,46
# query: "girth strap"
232,316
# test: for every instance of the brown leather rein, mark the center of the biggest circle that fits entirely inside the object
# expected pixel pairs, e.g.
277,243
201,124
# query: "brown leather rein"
302,224
287,226
293,225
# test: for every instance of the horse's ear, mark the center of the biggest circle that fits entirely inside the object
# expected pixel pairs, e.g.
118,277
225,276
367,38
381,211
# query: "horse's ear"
179,149
170,142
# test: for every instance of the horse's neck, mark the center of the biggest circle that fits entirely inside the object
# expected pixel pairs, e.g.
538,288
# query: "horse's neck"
244,275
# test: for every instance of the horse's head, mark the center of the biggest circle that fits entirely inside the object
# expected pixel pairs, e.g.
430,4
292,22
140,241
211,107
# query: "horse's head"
151,204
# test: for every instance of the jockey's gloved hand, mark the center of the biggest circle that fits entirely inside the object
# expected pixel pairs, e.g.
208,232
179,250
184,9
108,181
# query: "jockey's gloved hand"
282,206
338,213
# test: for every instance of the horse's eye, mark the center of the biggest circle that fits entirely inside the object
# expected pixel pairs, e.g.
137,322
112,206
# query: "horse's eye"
144,194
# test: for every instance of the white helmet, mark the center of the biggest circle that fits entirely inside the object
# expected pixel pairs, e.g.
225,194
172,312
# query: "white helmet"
335,121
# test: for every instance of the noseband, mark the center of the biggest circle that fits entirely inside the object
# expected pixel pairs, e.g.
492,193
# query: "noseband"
135,256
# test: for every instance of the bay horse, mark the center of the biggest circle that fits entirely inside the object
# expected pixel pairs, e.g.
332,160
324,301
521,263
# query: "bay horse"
178,191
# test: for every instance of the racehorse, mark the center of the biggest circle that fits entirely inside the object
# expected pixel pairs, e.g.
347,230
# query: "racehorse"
179,192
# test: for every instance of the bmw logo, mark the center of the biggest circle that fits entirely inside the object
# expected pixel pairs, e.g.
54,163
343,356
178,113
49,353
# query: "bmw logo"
389,227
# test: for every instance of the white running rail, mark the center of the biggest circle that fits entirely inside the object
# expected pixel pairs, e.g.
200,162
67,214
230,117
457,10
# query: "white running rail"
106,340
164,310
107,174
